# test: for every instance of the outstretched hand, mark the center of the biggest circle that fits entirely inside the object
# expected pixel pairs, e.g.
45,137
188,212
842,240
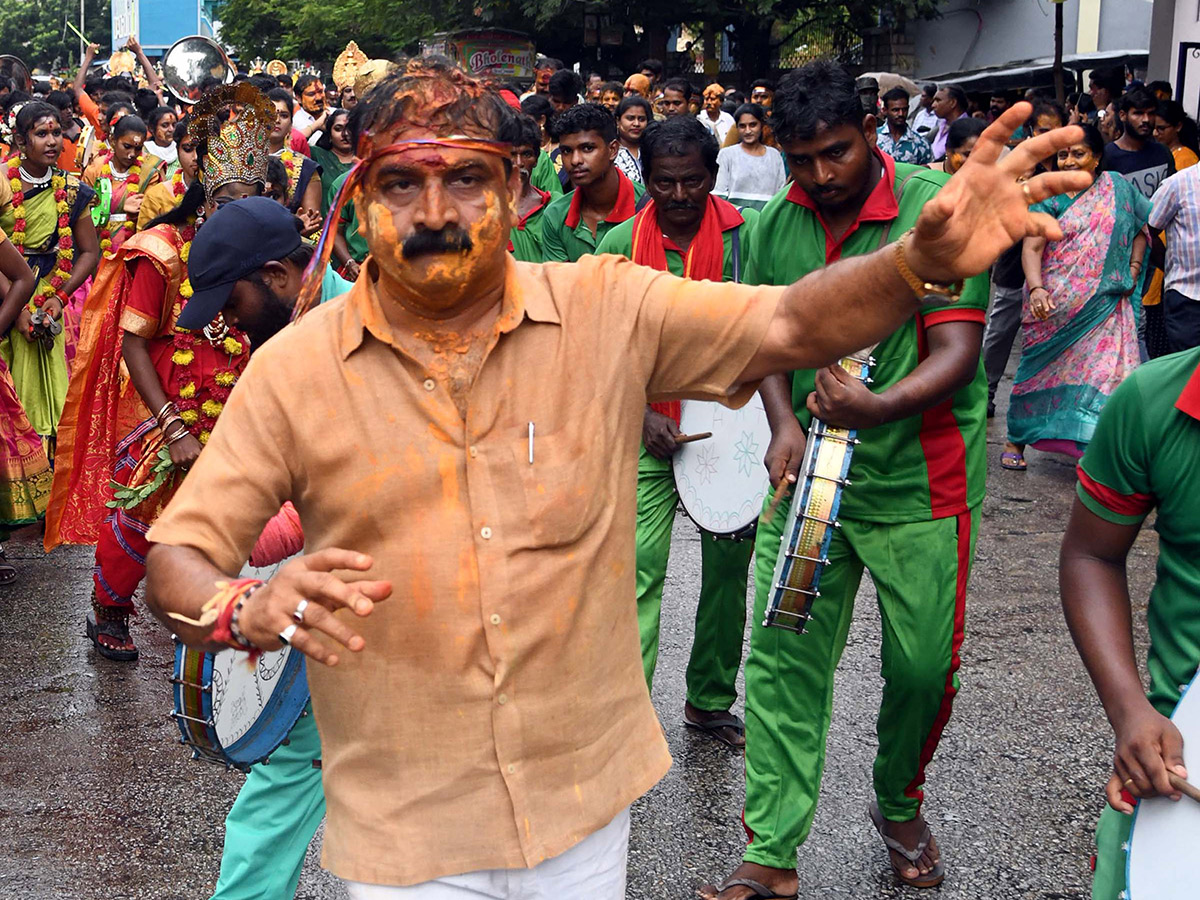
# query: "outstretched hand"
313,578
983,209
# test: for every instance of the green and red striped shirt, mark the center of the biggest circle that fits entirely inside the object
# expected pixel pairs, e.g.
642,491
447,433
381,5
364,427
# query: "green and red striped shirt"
1145,455
924,467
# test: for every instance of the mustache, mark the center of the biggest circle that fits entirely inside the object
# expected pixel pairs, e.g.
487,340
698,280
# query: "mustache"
690,207
450,239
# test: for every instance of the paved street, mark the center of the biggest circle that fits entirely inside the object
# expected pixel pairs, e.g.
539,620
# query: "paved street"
97,799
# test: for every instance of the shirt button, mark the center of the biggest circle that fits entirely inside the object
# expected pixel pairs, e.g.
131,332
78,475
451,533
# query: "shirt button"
429,384
473,452
511,769
502,699
495,619
485,533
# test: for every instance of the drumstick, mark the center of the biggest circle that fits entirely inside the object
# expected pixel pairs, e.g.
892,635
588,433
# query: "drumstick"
688,438
780,493
1184,786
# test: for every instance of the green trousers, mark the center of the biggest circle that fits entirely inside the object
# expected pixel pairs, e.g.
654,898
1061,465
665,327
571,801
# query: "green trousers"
721,613
273,820
920,570
1112,832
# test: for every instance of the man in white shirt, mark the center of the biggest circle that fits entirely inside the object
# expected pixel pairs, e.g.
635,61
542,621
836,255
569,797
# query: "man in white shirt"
1176,211
925,120
310,100
712,117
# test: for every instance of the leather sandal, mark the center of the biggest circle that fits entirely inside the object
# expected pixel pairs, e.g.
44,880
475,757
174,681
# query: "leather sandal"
113,624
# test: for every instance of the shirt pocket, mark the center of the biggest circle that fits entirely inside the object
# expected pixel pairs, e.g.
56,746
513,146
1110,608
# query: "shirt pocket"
564,487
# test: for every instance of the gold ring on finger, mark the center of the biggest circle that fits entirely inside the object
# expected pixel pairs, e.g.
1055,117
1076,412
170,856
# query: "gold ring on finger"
1029,201
1128,782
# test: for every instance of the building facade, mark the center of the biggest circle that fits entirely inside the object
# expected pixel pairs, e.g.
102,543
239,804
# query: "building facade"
971,34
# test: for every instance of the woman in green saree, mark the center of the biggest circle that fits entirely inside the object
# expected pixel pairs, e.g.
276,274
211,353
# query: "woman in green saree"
43,210
334,154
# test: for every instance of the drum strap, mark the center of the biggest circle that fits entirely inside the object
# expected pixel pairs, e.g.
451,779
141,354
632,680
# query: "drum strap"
884,239
735,247
886,234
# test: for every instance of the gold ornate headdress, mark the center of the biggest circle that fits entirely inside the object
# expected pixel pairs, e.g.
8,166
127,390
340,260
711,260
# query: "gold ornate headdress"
370,73
235,121
346,66
276,67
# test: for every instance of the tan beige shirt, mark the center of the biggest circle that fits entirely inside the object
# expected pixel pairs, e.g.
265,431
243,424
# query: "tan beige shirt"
499,713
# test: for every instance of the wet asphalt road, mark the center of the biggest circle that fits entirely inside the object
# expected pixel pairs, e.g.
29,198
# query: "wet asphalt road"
98,800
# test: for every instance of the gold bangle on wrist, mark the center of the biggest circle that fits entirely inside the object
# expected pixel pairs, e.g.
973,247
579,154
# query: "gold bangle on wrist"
951,293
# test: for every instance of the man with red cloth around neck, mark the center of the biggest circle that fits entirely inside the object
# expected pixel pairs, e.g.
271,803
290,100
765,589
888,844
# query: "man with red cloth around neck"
687,231
498,405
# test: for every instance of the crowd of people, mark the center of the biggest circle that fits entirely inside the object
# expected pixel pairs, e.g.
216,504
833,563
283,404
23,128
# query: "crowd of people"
463,258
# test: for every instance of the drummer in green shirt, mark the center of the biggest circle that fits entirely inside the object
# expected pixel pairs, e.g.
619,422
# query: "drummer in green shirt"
1144,457
576,223
687,231
525,238
909,516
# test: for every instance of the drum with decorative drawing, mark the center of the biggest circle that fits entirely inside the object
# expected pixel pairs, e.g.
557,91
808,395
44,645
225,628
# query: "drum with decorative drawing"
721,479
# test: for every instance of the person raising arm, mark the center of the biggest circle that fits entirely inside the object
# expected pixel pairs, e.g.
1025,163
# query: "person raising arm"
454,366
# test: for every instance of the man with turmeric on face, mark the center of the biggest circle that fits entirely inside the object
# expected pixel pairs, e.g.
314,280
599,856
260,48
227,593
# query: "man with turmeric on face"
459,437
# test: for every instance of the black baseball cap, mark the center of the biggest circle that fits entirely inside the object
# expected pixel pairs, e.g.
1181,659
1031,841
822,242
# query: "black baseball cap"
238,239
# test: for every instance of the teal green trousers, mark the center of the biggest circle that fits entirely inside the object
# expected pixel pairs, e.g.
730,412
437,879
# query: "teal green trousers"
920,570
721,612
273,820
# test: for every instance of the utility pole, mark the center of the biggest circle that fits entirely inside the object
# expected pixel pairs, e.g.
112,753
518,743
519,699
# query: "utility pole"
1059,93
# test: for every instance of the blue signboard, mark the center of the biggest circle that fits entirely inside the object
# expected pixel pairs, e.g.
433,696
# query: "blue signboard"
160,23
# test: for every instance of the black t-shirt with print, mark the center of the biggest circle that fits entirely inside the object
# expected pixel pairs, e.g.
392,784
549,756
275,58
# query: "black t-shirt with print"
1145,169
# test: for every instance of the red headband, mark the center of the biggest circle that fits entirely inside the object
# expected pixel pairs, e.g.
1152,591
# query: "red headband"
315,272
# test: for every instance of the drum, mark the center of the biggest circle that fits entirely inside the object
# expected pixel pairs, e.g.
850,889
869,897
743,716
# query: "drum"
231,712
812,516
1162,863
721,480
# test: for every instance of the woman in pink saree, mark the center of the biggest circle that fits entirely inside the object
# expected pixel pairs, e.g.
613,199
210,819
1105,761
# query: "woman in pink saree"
1079,325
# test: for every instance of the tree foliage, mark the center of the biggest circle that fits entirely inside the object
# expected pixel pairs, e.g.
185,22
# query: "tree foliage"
33,30
317,31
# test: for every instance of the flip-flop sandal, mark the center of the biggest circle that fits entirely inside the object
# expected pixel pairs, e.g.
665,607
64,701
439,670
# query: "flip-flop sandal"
933,877
118,631
1014,462
713,728
761,891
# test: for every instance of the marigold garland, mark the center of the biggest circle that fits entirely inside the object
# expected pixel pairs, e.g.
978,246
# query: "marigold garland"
292,165
106,232
64,259
201,396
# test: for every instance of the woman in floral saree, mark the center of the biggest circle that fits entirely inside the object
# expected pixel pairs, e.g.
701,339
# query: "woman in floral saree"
1078,327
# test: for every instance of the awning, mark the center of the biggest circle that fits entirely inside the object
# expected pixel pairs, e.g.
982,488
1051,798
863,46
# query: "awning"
1038,73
